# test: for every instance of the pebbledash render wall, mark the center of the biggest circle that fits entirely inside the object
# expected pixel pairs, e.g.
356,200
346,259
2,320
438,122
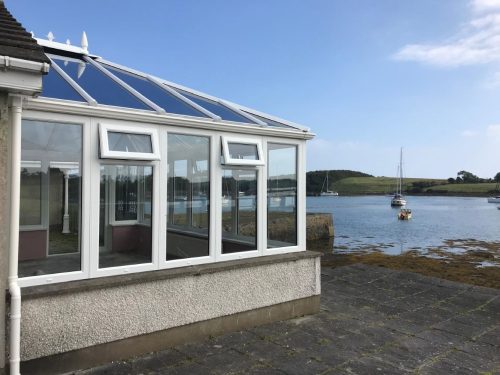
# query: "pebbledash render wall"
81,314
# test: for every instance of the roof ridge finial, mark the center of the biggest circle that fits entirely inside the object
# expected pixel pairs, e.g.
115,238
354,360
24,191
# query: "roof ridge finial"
50,36
68,42
85,43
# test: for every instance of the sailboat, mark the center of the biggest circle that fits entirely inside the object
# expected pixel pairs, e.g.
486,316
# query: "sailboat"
327,193
398,200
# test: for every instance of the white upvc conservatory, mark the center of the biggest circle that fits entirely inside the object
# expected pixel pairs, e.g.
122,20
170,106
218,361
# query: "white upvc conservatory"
124,172
146,206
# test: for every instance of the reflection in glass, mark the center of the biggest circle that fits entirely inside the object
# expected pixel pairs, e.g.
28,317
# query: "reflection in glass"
129,142
98,85
239,210
55,86
50,204
281,195
125,220
243,151
156,94
188,196
220,110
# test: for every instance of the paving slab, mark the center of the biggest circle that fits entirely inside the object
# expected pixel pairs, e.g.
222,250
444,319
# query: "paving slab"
372,320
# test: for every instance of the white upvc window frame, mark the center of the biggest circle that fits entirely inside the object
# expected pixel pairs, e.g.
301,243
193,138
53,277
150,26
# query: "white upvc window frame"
106,153
90,174
214,152
85,210
245,141
301,196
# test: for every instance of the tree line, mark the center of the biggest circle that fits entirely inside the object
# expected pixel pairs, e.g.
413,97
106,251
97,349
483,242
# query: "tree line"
465,177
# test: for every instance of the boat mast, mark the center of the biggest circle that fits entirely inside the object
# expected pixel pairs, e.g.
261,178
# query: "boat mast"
401,171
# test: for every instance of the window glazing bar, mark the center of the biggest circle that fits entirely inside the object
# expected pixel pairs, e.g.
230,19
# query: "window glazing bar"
244,114
183,98
130,89
73,84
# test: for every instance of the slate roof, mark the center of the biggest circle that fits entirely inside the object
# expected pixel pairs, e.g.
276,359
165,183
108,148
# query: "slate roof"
15,41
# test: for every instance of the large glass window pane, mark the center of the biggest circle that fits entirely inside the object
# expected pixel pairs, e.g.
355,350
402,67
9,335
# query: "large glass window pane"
239,210
281,195
127,142
125,222
270,122
220,110
156,94
55,86
188,196
50,206
98,85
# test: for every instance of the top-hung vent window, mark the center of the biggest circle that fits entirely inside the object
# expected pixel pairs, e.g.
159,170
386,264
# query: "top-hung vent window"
119,142
242,151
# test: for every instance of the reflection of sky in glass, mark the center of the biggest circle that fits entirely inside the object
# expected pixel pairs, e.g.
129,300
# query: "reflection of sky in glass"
156,94
216,108
98,85
55,86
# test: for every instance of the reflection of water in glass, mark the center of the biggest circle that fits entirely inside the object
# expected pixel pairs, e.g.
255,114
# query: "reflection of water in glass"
368,222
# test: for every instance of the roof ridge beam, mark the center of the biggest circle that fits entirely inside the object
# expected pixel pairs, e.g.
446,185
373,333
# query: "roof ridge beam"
72,83
128,88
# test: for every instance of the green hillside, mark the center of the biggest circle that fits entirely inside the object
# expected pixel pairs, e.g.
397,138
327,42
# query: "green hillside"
380,185
316,179
486,188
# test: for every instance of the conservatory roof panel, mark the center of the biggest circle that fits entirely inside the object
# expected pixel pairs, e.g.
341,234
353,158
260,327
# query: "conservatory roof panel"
81,77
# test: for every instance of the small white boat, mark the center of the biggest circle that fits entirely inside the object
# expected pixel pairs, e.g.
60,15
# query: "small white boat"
398,201
327,193
404,214
494,199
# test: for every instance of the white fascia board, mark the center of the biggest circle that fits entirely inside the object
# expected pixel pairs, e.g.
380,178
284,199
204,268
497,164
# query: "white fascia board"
127,87
81,109
14,63
213,98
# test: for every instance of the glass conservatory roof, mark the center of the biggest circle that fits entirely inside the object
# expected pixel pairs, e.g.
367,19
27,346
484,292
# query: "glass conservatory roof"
88,79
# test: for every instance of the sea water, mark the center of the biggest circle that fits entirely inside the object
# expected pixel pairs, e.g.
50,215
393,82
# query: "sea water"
366,222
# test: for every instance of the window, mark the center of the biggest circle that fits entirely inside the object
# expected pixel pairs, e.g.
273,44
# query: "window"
281,195
188,196
118,142
50,205
125,220
239,210
241,152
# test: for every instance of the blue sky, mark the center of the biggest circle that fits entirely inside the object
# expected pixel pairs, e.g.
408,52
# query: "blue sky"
367,76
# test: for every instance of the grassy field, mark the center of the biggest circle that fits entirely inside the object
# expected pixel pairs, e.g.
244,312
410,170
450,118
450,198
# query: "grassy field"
466,189
387,185
375,185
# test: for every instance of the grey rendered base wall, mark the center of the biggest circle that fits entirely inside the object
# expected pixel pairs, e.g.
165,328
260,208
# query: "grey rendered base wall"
71,316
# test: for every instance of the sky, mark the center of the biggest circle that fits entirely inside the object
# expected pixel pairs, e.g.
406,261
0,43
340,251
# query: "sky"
368,77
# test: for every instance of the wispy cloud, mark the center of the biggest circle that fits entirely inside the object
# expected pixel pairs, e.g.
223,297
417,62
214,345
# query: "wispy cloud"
493,132
485,5
478,42
468,133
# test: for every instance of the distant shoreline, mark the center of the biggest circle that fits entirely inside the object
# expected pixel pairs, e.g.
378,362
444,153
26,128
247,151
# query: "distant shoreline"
464,195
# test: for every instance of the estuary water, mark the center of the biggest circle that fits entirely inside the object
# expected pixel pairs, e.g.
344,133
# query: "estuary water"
364,223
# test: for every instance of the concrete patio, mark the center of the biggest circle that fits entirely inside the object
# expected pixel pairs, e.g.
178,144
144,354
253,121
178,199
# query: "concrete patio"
372,320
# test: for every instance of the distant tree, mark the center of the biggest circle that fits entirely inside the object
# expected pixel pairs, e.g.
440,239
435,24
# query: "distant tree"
451,180
468,177
497,178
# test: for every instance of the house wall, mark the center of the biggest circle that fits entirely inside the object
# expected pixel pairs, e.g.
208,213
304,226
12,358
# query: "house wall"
4,214
64,317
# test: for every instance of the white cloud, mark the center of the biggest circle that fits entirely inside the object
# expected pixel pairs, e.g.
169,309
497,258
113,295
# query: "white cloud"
478,42
493,132
468,133
485,5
